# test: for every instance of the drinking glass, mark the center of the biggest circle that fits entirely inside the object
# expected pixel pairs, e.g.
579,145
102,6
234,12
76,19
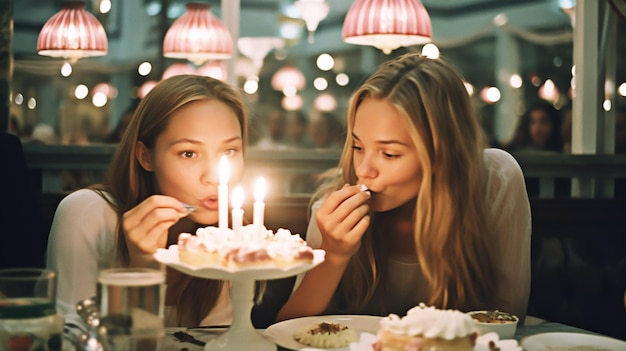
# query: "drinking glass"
131,304
28,316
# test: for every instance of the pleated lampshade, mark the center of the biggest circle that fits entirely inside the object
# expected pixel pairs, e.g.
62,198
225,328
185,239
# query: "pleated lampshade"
387,24
198,36
72,33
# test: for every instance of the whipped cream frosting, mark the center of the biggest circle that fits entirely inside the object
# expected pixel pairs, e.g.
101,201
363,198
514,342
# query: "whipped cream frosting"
429,322
252,240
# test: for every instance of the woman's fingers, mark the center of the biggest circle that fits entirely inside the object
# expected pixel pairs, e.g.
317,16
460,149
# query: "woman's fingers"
152,230
154,238
146,225
344,220
137,214
343,202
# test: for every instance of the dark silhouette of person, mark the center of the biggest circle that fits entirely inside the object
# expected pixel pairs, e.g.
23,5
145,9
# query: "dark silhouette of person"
22,237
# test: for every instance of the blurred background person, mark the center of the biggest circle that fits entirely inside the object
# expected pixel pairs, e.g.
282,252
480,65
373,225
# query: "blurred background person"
14,125
539,130
296,130
325,131
116,134
274,136
43,133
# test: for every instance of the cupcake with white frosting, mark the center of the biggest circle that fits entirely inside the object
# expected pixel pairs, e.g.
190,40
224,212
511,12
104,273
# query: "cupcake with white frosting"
427,329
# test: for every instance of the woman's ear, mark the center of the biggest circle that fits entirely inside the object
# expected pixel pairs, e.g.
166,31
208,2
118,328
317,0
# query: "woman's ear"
144,156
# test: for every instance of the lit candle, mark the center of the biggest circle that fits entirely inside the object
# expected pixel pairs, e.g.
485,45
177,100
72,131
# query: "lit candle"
260,188
237,201
222,192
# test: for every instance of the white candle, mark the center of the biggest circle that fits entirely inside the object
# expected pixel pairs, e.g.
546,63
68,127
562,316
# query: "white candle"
260,188
222,192
237,201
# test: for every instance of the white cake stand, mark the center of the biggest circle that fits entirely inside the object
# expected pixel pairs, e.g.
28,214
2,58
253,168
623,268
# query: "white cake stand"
241,335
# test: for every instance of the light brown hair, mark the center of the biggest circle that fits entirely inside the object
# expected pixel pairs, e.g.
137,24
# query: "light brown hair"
127,184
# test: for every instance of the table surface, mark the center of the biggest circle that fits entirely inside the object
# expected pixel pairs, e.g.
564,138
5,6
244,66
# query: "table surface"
172,344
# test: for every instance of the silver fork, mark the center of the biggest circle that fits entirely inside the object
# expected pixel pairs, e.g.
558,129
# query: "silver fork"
188,207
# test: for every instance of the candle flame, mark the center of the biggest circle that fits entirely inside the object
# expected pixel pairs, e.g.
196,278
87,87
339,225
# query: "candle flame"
260,189
224,170
237,198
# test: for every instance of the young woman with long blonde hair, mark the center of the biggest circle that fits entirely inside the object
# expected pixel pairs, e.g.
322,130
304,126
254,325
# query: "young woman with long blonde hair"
445,221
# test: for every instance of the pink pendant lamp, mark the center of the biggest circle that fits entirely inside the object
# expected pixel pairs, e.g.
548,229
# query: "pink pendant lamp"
387,24
198,36
72,33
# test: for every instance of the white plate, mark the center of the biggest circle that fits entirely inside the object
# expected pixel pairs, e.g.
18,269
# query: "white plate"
571,342
169,257
282,332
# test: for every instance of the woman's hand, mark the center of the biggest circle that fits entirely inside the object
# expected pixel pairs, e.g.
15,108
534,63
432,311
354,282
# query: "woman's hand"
146,226
343,219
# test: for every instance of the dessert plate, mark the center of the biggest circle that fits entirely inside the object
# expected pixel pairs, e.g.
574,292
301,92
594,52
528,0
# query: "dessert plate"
169,257
571,342
282,332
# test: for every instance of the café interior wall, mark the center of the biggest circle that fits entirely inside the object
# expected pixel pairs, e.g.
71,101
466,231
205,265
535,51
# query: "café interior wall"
134,36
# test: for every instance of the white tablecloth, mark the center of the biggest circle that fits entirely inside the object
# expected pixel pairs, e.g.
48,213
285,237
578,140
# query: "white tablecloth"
172,344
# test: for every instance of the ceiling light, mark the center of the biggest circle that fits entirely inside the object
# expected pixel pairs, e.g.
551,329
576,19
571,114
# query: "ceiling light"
256,48
72,33
198,36
387,24
312,12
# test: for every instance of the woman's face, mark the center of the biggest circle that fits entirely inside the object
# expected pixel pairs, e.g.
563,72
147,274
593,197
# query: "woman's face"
186,155
540,127
385,158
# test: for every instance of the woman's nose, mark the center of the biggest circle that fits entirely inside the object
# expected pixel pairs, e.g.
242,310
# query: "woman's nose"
365,168
210,173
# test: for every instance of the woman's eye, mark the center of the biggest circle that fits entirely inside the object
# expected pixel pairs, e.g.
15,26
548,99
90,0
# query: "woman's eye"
230,152
357,148
188,154
388,155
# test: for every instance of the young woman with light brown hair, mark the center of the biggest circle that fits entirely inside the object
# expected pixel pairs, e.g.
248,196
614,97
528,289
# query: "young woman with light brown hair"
168,156
445,221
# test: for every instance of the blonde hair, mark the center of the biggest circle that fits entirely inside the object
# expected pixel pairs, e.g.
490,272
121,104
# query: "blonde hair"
451,214
128,184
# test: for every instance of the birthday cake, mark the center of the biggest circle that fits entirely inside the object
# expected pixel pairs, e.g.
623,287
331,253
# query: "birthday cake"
252,245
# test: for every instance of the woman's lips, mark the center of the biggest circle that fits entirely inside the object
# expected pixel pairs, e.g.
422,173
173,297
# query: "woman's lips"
210,203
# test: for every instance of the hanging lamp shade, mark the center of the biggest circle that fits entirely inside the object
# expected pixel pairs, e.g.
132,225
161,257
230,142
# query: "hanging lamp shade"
72,33
387,24
198,36
257,48
312,12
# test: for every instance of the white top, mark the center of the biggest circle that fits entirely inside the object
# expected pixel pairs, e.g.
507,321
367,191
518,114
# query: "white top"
82,241
510,212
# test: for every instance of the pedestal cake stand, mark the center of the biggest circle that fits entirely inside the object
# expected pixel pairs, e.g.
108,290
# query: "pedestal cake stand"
241,335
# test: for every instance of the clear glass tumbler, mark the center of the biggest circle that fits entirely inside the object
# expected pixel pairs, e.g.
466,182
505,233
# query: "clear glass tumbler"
28,316
131,304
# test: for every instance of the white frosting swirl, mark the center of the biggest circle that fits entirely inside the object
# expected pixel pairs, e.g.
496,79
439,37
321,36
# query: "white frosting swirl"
430,322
